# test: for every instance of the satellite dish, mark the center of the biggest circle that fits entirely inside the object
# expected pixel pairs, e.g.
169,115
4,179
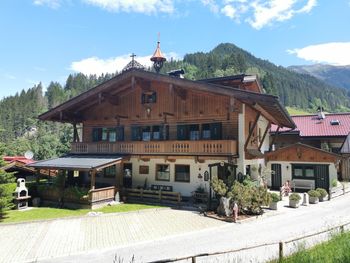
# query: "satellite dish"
29,155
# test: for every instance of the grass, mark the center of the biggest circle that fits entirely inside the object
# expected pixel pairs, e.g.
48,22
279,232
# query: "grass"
296,111
336,250
40,213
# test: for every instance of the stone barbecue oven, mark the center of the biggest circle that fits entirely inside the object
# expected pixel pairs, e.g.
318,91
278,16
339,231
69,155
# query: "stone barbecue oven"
21,196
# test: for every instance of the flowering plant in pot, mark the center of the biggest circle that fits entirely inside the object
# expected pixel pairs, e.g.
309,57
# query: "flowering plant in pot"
274,199
323,193
313,196
294,200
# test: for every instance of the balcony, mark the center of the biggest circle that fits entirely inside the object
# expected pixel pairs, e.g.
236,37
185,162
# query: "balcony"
207,147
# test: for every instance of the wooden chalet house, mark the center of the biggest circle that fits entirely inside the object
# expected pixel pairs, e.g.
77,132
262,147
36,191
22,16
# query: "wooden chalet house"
142,129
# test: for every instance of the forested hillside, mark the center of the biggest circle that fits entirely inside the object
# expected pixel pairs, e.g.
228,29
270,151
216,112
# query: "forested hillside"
20,130
335,75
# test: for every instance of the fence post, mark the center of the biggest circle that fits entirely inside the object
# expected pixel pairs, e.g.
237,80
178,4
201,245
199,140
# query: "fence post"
193,259
141,192
342,229
280,250
160,195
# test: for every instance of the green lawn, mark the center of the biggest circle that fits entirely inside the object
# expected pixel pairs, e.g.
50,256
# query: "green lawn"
337,250
295,111
49,212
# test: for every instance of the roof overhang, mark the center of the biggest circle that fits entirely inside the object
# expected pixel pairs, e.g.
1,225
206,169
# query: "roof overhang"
80,163
69,111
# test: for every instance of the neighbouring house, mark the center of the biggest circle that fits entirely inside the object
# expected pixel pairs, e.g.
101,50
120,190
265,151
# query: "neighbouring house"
17,165
326,131
305,166
145,130
345,164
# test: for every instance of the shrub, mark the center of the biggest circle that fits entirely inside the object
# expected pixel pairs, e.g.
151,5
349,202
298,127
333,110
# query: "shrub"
6,196
323,193
249,199
314,193
77,192
334,182
294,197
275,197
219,186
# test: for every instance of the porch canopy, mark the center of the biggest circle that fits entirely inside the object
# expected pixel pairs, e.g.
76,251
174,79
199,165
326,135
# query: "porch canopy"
80,163
87,163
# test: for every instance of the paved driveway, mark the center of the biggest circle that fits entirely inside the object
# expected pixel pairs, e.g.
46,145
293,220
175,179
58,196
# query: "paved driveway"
48,239
161,234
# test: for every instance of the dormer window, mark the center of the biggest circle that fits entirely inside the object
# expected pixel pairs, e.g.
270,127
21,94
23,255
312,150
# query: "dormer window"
335,122
149,97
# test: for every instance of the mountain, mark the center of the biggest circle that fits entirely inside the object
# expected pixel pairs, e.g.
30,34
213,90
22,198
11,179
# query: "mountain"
18,114
294,89
338,76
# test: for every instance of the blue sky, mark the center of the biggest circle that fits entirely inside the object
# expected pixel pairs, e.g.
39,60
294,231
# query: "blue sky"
46,40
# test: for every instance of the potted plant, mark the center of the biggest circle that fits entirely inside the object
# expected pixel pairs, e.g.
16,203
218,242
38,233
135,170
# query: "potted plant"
313,196
294,200
274,199
323,193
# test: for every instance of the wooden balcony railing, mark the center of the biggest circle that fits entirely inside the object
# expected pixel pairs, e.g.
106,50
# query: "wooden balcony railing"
207,147
101,194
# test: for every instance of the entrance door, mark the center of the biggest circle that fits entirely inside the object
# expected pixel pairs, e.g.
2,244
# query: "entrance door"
322,176
276,176
127,175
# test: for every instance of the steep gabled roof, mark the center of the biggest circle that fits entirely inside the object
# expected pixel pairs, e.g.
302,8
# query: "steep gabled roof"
267,104
313,126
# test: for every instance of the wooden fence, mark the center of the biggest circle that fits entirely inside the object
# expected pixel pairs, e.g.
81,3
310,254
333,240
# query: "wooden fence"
154,196
279,247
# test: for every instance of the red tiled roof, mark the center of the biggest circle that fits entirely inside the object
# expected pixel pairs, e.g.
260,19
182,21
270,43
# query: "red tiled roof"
312,126
21,159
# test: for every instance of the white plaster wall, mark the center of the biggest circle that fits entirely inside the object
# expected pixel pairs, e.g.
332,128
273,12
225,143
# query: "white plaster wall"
183,187
241,141
287,173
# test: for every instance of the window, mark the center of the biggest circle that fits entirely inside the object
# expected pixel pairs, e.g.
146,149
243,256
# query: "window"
156,133
120,133
182,132
206,135
304,171
163,172
109,171
194,132
182,173
112,134
146,133
104,134
149,97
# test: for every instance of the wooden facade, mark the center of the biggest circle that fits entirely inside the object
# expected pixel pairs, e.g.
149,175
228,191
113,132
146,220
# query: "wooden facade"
302,153
170,126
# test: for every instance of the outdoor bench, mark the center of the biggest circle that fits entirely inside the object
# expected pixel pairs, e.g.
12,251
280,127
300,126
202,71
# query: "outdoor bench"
303,184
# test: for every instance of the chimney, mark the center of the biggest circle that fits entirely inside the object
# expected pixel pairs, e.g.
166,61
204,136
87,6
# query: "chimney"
320,113
179,73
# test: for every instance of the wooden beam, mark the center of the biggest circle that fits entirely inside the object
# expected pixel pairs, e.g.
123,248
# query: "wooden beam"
252,130
274,138
265,133
266,114
93,179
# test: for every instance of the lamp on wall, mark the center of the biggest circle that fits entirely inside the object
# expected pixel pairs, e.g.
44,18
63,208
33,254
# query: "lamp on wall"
148,111
287,167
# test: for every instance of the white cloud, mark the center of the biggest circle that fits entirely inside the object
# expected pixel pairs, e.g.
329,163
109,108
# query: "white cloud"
229,10
54,4
260,13
334,53
137,6
9,76
212,5
95,65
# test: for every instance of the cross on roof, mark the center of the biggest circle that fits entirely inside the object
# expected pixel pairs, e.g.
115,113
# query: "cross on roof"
132,59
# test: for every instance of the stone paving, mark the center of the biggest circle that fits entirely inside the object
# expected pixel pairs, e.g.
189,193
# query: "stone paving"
35,241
